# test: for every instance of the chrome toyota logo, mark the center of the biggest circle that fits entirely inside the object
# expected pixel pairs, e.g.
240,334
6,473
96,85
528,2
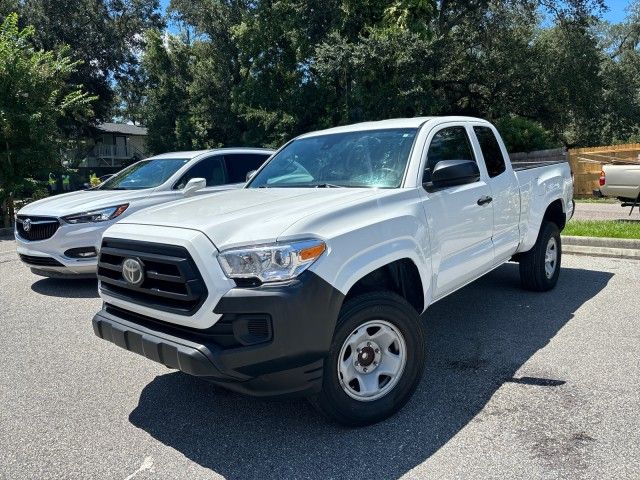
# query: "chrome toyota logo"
132,271
26,224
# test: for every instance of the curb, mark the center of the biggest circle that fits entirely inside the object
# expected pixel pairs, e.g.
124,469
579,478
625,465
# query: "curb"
601,247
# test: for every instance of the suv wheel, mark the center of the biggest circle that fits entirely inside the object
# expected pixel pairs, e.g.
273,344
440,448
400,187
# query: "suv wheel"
375,362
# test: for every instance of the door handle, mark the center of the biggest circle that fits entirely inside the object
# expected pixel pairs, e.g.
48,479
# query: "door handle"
485,200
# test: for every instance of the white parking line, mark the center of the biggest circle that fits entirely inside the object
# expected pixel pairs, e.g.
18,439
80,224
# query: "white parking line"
147,464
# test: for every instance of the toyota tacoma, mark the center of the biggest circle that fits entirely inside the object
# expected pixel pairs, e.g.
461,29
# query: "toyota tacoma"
312,279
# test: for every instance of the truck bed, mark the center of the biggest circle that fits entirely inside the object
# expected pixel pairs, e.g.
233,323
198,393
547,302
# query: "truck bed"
527,165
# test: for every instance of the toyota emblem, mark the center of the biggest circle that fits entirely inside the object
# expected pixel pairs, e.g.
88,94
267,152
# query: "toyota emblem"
26,224
132,271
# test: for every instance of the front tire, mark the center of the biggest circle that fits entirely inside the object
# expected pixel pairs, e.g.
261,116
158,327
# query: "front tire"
540,266
375,362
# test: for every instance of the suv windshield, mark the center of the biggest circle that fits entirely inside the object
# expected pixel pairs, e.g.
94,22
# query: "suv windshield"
144,174
372,158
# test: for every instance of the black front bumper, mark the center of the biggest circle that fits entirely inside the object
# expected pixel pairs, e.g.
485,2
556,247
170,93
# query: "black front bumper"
301,314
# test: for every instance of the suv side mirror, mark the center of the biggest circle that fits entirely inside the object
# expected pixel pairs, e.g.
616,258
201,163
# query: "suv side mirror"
450,173
193,186
250,174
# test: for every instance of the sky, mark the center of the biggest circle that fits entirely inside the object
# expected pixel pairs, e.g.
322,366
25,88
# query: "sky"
615,14
616,11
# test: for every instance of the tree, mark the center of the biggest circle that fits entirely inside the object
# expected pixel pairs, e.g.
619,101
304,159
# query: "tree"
35,96
260,72
105,35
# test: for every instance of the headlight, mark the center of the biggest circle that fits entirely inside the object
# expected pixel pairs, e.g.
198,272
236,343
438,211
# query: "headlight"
271,263
101,215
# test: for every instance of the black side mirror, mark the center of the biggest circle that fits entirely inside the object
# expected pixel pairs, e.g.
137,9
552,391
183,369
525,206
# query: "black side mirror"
449,173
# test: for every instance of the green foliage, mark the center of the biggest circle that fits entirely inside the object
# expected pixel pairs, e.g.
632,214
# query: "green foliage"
35,96
261,72
524,135
105,35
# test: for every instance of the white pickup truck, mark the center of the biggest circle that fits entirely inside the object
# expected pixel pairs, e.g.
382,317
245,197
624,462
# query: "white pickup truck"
311,280
60,236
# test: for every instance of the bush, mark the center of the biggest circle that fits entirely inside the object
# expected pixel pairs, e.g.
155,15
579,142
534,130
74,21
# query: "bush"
524,135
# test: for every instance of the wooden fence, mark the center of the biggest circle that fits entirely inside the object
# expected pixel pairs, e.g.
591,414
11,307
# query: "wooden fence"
586,163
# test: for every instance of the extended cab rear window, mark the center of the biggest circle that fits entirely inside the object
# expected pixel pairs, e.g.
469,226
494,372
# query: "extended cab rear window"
490,151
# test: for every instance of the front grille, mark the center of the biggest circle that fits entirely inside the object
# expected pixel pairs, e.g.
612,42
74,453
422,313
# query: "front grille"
171,279
40,261
40,228
230,331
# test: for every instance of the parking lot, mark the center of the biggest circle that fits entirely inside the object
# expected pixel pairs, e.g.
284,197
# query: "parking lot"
518,385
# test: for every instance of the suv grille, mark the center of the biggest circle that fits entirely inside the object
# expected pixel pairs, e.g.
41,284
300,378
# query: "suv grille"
40,261
171,281
39,228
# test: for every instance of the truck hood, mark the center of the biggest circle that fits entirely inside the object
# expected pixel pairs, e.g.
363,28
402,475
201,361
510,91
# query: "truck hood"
248,216
82,201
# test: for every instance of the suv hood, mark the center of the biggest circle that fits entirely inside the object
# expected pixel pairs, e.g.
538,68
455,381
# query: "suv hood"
248,216
82,201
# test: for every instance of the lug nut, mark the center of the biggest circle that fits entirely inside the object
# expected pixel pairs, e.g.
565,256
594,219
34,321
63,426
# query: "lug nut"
375,364
377,350
368,344
365,369
357,364
358,350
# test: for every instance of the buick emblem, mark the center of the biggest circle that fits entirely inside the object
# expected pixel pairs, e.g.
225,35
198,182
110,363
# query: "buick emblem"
26,224
132,271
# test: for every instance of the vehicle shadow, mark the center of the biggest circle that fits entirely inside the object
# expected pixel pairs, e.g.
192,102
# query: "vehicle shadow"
477,339
66,287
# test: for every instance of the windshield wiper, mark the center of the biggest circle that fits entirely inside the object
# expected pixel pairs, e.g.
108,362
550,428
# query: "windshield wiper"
328,185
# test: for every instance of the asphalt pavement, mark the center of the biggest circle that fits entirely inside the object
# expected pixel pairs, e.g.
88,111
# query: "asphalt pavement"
518,385
604,211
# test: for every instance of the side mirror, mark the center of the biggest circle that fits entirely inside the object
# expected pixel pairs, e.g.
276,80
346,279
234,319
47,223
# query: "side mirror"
250,174
450,173
193,186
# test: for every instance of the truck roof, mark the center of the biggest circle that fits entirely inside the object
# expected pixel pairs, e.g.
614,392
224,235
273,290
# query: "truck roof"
415,122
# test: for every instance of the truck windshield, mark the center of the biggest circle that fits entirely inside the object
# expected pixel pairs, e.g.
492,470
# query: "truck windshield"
144,174
372,158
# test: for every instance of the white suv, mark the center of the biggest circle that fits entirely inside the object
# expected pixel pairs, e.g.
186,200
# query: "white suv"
60,235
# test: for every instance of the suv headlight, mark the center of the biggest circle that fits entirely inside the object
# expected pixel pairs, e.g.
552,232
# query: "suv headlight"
101,215
271,263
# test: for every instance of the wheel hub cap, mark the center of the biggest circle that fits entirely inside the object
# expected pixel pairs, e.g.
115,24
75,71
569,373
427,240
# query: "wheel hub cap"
372,360
368,357
551,258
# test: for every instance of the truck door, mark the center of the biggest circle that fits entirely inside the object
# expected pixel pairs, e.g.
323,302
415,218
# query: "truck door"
460,217
504,190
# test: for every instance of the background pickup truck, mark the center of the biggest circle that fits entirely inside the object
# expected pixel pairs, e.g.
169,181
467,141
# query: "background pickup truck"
621,182
311,280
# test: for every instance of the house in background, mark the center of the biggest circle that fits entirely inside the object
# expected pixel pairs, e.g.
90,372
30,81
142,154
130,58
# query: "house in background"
114,146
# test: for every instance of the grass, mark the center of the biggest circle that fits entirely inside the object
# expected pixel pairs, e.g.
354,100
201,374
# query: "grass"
603,228
595,200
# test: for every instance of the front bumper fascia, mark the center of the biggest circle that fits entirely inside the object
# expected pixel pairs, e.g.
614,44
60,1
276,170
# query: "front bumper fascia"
303,314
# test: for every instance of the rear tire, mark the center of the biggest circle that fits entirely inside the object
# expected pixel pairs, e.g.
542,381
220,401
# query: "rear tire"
376,360
540,266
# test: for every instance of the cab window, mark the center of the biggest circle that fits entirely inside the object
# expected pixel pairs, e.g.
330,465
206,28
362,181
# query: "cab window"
451,143
490,151
211,169
239,164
